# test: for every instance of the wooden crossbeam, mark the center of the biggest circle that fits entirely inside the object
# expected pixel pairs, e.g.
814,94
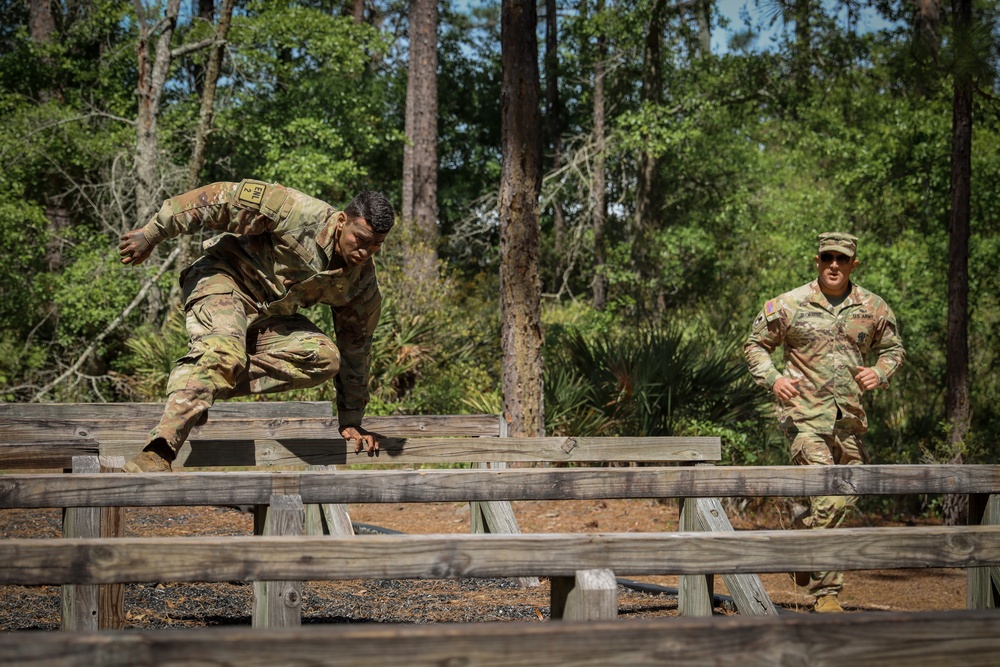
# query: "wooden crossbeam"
152,411
398,486
915,639
315,442
251,558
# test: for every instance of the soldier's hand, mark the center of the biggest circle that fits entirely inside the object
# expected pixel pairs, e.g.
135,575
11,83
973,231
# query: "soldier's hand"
867,378
785,388
362,439
134,248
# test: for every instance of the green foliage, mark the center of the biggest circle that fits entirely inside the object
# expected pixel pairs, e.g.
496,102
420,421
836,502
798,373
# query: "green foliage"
658,380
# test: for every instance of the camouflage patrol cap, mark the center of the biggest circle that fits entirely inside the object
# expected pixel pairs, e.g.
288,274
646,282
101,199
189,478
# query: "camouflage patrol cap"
841,241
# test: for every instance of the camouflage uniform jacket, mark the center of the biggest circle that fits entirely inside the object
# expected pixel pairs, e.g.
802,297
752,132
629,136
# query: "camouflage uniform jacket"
823,346
278,244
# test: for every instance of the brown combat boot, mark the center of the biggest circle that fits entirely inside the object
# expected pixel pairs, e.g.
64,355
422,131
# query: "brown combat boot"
156,457
827,604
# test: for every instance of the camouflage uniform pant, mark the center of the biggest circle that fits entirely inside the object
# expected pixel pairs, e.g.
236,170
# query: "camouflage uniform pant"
234,351
840,448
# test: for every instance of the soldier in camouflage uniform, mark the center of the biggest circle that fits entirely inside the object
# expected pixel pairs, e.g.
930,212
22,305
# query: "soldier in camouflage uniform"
826,328
280,250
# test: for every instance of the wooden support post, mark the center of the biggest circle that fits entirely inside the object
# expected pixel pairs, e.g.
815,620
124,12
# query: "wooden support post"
328,518
79,601
695,592
747,589
497,517
278,604
111,597
592,595
983,583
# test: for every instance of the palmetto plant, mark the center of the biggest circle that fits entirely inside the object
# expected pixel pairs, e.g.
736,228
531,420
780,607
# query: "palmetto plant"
154,352
657,380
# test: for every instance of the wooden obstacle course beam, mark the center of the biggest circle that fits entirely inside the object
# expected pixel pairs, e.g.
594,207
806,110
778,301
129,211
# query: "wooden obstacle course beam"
983,583
400,486
249,558
278,603
317,442
152,411
915,639
80,602
589,595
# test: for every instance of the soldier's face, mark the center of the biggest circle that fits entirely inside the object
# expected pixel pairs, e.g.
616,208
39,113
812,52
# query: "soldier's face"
358,241
834,272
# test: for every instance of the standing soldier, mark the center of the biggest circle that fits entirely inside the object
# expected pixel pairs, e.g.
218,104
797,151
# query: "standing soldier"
826,328
281,250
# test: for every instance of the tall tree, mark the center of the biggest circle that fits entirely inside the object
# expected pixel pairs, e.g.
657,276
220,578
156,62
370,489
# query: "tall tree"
420,163
957,394
647,207
553,128
599,284
520,288
208,83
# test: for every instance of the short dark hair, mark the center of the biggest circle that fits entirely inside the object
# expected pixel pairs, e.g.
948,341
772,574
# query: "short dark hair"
375,208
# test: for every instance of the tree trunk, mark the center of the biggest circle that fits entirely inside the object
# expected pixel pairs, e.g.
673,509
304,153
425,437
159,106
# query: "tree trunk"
358,10
190,244
803,37
554,130
647,207
152,76
703,10
420,165
520,290
599,284
957,395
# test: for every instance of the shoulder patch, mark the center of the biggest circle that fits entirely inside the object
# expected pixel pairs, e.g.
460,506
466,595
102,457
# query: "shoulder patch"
770,310
251,193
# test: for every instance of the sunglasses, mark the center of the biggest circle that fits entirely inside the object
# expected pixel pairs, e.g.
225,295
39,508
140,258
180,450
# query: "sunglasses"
827,257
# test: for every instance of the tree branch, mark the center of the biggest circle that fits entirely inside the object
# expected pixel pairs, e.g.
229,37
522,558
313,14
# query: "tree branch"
185,49
111,327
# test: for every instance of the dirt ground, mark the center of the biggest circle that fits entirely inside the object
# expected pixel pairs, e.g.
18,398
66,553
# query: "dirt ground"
381,601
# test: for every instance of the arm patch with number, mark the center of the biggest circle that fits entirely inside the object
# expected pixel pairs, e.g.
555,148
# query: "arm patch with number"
251,193
770,310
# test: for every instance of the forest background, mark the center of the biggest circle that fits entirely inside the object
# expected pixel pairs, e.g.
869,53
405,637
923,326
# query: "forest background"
682,186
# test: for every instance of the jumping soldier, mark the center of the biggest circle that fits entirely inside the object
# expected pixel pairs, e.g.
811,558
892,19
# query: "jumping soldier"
280,250
826,329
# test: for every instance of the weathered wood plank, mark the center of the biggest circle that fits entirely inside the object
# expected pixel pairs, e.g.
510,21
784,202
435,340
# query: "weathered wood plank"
111,597
590,595
152,411
81,603
921,639
695,592
227,429
278,604
747,590
395,486
981,589
44,455
289,442
38,562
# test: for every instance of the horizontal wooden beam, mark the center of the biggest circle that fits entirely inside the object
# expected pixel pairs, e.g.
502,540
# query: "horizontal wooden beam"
401,486
45,455
317,443
237,428
243,558
152,411
922,639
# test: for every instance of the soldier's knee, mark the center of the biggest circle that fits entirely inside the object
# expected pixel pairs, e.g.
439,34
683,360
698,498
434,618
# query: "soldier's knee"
211,364
327,361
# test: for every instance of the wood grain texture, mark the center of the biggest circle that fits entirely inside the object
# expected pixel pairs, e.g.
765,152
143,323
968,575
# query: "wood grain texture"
81,603
747,590
278,603
316,442
590,595
152,411
399,486
920,639
250,558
